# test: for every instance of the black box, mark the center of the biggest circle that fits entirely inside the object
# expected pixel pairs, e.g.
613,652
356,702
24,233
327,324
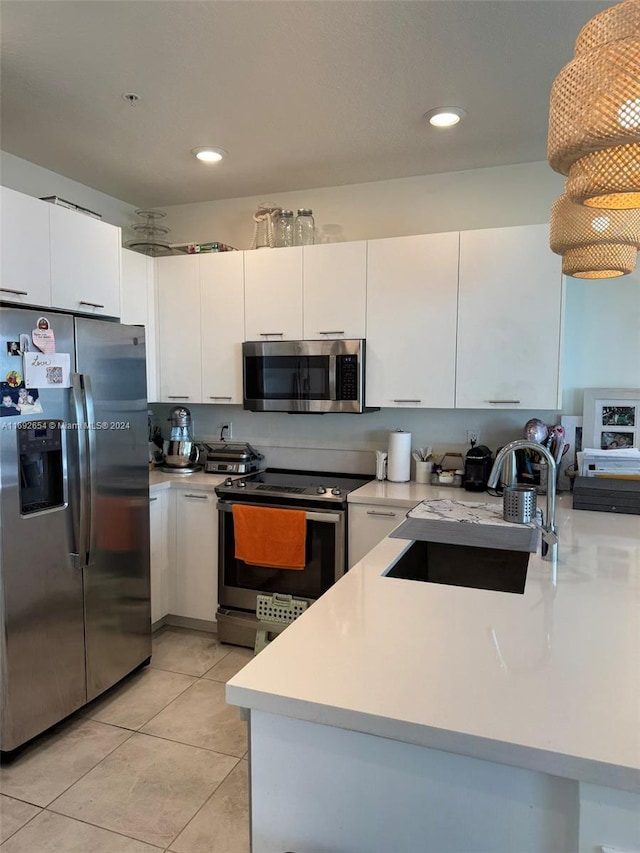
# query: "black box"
603,494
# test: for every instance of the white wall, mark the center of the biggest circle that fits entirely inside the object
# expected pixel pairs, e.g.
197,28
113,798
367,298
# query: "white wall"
602,336
454,201
30,179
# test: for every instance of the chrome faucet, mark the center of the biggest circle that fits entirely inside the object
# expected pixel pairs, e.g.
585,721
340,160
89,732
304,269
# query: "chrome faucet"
549,532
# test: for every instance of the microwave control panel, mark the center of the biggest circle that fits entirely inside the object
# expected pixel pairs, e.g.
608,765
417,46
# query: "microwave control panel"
347,377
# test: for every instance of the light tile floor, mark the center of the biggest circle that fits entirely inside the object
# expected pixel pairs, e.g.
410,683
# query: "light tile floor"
157,763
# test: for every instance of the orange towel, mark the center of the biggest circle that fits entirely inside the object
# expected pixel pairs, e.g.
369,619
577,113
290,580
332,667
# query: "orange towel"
270,537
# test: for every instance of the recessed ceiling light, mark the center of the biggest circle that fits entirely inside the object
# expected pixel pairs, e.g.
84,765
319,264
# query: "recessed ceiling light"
445,116
209,154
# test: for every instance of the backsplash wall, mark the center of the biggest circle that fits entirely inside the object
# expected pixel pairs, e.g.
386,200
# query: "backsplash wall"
347,442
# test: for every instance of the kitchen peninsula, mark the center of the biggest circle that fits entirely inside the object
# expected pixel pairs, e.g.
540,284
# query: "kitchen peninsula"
403,716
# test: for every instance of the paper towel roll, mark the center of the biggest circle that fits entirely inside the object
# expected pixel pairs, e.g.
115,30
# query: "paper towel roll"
399,459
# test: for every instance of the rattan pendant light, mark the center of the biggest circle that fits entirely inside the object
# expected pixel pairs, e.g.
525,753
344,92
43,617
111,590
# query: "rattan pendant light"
594,242
594,114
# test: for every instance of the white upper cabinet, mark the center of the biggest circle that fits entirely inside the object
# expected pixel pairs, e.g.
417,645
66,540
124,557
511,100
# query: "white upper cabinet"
412,287
335,290
138,307
25,267
222,326
509,320
273,294
179,342
85,263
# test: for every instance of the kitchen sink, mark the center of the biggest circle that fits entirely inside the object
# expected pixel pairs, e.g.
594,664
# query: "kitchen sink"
463,565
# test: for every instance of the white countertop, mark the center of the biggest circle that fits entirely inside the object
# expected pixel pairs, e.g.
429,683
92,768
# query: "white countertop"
548,680
159,480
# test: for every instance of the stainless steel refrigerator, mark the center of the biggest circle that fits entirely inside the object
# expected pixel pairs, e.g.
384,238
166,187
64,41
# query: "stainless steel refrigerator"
74,517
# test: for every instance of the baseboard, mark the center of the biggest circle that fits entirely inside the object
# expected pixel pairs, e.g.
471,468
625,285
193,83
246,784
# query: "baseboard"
188,622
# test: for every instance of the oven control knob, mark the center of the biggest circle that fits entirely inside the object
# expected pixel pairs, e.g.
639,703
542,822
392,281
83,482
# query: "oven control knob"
337,492
228,482
321,490
242,484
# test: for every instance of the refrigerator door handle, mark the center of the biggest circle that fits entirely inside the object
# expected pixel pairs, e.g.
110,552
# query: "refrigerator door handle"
80,518
92,460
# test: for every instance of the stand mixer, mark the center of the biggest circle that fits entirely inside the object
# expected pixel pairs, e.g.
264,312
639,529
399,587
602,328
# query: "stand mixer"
181,453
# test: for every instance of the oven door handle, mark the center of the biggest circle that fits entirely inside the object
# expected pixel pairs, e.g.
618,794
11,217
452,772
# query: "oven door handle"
326,517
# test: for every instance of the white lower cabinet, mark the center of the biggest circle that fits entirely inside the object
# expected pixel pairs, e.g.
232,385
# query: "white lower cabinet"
160,565
196,554
369,524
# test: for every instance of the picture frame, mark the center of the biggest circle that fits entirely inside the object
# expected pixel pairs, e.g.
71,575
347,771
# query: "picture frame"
611,418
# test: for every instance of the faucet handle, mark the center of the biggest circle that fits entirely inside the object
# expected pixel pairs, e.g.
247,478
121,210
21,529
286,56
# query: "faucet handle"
550,536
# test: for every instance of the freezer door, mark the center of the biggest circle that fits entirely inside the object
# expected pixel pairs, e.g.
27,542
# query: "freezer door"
41,600
111,361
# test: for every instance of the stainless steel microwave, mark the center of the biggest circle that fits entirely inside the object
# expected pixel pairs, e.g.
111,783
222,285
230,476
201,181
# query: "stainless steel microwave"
312,377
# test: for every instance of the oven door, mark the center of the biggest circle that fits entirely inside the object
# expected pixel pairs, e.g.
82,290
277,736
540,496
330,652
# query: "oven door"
239,582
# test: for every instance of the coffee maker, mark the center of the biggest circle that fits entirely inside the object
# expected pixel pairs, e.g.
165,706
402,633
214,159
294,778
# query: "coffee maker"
477,467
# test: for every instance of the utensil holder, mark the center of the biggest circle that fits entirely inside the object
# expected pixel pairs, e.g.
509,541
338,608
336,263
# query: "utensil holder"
519,503
423,471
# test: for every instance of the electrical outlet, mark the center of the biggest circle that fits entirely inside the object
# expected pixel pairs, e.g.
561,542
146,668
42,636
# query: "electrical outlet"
473,436
226,431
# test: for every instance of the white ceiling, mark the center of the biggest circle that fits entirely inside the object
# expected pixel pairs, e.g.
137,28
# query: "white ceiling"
301,93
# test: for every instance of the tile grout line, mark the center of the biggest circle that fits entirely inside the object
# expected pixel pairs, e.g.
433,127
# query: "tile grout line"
191,745
129,734
41,809
81,721
193,817
153,716
103,828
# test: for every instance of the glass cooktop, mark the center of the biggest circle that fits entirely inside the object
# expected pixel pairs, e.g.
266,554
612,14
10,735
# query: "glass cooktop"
277,481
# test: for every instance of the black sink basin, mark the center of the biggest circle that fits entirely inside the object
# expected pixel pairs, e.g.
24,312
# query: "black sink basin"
463,565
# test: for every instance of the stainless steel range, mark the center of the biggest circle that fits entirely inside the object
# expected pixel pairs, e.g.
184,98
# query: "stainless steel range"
323,497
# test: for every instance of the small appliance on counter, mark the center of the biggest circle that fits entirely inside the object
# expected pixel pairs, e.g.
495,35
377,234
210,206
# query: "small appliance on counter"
477,467
181,453
227,458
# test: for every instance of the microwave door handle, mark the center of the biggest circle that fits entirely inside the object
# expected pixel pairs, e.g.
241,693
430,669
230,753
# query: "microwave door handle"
92,488
333,379
80,515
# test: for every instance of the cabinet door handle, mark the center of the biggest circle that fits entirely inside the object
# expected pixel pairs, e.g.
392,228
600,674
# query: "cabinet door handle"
219,397
503,401
152,499
375,512
92,304
407,401
16,292
199,497
175,397
271,334
341,332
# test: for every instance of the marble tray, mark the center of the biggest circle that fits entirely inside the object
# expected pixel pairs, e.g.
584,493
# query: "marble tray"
466,523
